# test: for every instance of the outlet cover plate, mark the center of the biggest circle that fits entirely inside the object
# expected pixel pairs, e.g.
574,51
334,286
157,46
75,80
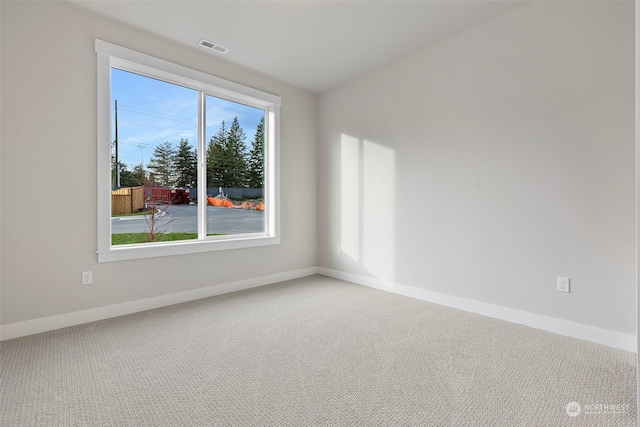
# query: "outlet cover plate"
87,277
563,284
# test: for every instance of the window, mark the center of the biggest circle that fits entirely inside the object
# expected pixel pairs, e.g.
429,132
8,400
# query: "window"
187,162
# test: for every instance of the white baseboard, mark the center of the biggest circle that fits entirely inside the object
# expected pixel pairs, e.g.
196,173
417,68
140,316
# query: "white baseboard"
45,324
594,334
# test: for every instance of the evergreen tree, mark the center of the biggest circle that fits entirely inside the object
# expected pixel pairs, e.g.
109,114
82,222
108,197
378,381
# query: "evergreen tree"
226,157
186,161
255,161
139,174
216,165
127,177
162,164
236,154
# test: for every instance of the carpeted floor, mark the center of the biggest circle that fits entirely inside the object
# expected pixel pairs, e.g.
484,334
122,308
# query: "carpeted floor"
312,352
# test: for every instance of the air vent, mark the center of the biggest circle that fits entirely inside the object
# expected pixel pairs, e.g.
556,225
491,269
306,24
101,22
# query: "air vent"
212,46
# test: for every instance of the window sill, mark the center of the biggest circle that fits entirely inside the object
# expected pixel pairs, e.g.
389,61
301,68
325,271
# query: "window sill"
152,250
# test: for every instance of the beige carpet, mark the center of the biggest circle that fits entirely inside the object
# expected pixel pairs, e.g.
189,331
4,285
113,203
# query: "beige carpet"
312,352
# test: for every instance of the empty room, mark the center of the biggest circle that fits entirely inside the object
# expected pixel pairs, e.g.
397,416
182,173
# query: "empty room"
310,213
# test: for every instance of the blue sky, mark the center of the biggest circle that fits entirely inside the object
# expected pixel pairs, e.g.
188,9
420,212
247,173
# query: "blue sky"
151,112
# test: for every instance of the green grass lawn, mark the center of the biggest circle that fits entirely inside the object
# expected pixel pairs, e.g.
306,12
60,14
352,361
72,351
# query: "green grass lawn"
132,238
141,213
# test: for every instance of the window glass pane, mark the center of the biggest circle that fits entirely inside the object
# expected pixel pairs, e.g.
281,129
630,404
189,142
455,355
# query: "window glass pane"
155,138
235,168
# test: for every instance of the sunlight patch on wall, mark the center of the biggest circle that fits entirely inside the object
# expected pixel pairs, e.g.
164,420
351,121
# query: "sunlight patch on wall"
350,197
368,205
379,205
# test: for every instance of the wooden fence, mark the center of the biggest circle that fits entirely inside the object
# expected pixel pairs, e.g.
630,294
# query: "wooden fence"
127,200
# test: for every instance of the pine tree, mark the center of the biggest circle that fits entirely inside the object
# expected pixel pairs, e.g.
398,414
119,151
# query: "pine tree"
162,164
186,162
216,165
127,177
236,154
255,161
139,174
226,157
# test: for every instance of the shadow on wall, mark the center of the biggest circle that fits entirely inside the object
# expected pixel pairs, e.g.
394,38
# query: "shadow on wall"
367,208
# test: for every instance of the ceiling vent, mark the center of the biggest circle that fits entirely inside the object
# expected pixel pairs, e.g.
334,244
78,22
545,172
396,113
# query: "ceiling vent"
212,46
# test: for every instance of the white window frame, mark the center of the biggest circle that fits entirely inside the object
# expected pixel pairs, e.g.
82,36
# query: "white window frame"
110,55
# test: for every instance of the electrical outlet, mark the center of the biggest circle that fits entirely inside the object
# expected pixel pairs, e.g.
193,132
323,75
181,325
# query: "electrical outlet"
339,250
563,284
87,277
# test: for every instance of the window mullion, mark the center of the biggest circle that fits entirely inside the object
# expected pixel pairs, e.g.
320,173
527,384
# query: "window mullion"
202,167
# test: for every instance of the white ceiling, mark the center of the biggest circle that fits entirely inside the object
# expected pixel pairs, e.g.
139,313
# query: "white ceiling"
314,45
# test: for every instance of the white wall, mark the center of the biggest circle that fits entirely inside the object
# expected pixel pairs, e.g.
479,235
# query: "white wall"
486,165
49,145
481,167
637,94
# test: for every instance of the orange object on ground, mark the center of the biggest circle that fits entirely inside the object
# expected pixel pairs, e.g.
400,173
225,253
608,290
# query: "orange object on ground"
220,202
223,202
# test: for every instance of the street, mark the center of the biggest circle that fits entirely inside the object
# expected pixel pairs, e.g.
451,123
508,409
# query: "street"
183,218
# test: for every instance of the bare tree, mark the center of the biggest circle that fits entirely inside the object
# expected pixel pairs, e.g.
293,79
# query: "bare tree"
158,204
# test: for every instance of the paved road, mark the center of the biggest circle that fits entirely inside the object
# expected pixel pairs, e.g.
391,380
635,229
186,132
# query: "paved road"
183,218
